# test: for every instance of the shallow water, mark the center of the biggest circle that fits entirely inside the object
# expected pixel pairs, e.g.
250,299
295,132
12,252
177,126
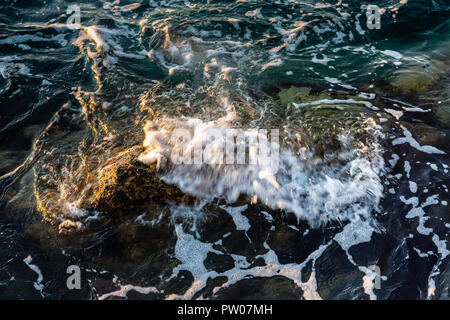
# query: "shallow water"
360,182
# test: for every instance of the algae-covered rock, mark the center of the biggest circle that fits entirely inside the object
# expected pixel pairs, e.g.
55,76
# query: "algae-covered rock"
332,284
442,113
415,79
126,182
318,120
118,185
219,263
294,94
287,97
411,82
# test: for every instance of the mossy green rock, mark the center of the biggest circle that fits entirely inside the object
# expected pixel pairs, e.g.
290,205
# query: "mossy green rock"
126,182
294,94
442,113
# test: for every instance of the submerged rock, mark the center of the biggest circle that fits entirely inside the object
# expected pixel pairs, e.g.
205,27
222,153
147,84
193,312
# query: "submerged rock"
121,184
409,81
319,120
442,112
126,182
277,287
419,76
294,94
427,135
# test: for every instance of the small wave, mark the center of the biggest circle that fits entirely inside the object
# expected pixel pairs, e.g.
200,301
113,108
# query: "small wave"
314,190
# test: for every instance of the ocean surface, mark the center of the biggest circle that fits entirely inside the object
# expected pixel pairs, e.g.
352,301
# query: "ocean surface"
354,204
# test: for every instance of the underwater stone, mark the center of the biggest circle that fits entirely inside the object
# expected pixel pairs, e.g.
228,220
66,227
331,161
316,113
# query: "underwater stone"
442,112
294,94
219,263
127,182
411,80
277,287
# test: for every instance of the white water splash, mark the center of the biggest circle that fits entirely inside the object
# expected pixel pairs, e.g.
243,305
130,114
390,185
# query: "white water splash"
314,191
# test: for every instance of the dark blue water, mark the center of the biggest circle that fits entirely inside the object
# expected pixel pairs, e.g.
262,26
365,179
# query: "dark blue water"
90,93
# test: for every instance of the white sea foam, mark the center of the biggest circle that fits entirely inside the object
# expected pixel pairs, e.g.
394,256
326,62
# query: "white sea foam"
323,61
336,102
395,113
192,252
393,54
418,212
408,138
125,289
27,38
407,167
38,285
314,191
353,234
412,186
239,219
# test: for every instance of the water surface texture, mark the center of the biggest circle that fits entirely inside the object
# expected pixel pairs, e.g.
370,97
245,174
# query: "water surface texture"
92,94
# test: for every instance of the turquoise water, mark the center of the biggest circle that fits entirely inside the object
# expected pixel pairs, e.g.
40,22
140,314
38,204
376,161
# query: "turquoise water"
88,109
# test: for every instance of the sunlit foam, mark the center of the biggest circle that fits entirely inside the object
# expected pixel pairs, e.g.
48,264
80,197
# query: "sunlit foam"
314,190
